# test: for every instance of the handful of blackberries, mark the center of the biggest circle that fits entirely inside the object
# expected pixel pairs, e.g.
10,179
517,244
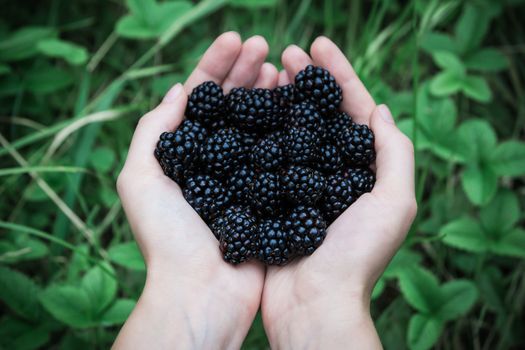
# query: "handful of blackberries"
269,170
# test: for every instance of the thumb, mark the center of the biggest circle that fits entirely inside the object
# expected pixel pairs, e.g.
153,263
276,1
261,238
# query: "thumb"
394,158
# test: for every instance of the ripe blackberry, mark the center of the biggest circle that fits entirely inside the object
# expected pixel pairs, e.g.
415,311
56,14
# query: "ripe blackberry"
307,229
306,115
220,220
330,160
302,185
362,179
286,95
320,87
238,236
357,145
265,194
301,145
339,195
254,109
222,152
274,246
206,104
177,153
337,123
268,152
194,129
206,195
240,181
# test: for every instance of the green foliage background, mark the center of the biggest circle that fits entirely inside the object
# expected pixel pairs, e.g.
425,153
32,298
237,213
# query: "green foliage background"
76,75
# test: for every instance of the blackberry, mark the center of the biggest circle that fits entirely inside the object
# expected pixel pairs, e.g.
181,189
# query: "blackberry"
320,87
301,145
222,152
240,181
339,195
254,109
307,229
265,194
330,160
268,152
177,153
362,180
337,123
206,195
302,185
274,246
238,236
357,145
220,219
194,129
206,104
286,95
306,115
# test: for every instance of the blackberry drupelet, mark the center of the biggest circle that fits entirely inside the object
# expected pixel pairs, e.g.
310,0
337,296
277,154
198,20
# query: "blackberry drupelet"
206,104
306,115
238,236
339,195
254,109
330,160
320,87
268,152
362,179
274,246
307,229
265,194
239,182
177,153
337,123
222,152
302,185
301,145
206,195
357,145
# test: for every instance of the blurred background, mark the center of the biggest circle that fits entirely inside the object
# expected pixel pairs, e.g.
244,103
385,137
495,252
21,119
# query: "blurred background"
75,76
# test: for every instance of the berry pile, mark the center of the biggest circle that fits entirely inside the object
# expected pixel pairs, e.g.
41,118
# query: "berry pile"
269,170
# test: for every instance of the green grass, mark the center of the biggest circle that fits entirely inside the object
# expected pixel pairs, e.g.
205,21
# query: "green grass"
451,71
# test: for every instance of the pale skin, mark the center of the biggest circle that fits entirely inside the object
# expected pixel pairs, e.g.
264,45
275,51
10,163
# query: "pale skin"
192,298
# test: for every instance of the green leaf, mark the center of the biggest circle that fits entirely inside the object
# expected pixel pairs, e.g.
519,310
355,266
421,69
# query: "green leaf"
68,304
4,69
420,288
457,297
477,139
378,288
423,332
102,159
501,214
45,80
19,293
448,61
22,44
404,259
509,158
446,83
433,42
16,334
480,183
486,60
100,287
253,3
118,312
465,233
68,51
131,27
142,9
477,88
127,255
512,244
471,28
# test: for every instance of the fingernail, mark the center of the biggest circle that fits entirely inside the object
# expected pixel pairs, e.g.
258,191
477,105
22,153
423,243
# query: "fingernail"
385,114
173,93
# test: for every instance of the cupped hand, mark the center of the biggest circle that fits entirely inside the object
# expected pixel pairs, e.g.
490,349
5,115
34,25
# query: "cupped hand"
320,299
185,267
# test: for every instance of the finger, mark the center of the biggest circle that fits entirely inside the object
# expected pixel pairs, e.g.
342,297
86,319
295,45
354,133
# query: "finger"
216,62
394,157
246,69
268,76
357,101
294,59
283,78
165,117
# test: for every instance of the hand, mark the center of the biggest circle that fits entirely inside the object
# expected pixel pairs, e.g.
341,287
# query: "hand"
322,301
192,298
